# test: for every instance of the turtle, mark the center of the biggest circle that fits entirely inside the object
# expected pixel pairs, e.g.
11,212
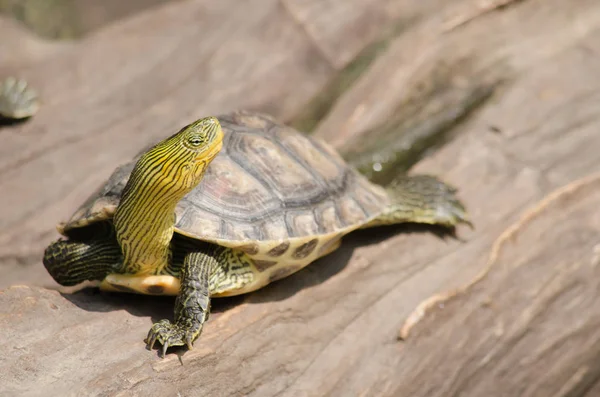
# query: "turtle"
225,206
17,99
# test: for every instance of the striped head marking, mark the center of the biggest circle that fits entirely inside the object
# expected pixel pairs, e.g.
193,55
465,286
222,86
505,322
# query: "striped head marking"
178,162
144,219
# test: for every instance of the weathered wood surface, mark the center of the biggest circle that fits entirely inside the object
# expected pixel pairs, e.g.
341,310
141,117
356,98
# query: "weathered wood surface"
526,162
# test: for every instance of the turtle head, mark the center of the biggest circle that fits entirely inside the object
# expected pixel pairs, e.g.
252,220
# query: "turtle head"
178,163
145,217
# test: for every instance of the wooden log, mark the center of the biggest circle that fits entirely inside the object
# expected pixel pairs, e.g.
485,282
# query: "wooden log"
525,163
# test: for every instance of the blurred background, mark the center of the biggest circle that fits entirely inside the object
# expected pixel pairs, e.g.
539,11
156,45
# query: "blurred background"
71,19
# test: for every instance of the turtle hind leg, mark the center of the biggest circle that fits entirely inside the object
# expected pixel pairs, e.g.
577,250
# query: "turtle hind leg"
206,270
422,199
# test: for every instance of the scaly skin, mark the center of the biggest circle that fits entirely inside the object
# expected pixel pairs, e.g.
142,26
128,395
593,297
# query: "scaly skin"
84,258
192,305
141,242
422,199
145,218
206,269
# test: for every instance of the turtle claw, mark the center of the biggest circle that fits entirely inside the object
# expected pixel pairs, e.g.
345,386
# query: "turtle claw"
189,342
425,199
456,214
169,334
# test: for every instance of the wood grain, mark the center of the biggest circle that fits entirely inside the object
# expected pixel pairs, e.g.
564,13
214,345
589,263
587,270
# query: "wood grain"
529,328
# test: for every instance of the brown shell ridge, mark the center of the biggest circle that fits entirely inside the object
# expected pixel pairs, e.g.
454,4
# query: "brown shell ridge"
270,183
325,191
298,159
286,205
237,158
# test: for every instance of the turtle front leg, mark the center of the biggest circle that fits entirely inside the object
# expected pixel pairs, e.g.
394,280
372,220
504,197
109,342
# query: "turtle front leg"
73,261
207,270
191,306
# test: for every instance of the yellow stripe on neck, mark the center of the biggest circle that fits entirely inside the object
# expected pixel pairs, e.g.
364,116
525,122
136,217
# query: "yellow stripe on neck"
145,218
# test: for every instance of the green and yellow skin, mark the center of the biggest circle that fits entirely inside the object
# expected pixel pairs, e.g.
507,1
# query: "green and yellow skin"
198,271
145,218
143,229
138,251
145,221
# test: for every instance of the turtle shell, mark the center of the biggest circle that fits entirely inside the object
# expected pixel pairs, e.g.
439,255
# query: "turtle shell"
269,185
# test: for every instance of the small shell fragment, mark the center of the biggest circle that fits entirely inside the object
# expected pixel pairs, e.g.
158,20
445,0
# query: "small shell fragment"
17,99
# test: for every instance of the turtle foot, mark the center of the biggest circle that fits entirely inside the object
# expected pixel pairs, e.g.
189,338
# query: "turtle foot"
169,334
424,199
452,212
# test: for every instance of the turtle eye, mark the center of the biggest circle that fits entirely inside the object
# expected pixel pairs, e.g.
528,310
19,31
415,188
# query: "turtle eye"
195,140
